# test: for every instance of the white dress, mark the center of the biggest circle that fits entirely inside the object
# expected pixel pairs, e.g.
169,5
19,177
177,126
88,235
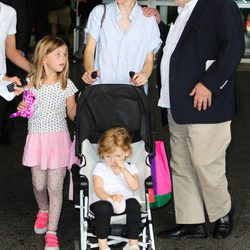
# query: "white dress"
114,183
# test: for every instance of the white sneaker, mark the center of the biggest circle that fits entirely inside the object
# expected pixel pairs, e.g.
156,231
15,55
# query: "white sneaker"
133,247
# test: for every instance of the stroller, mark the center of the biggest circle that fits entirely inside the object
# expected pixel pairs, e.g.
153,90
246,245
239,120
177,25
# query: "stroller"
101,107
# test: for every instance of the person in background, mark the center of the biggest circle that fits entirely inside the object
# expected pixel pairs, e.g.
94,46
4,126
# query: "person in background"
85,7
202,50
48,143
59,18
20,7
8,49
37,18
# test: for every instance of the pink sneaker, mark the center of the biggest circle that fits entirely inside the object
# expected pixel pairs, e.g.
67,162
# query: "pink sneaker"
41,223
51,242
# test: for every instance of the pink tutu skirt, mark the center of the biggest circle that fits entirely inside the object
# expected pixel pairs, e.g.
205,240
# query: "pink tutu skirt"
48,150
72,156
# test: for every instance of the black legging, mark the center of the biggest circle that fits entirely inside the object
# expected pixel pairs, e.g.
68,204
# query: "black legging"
103,211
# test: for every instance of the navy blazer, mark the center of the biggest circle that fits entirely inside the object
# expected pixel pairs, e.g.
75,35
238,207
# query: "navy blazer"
214,31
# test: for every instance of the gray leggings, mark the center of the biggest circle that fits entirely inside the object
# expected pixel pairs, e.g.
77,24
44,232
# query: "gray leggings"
49,184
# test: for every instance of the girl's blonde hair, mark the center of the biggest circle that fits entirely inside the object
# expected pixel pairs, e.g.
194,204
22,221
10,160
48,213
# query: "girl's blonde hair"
44,47
113,138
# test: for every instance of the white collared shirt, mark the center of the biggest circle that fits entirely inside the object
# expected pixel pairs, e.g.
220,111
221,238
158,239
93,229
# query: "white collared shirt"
7,27
173,38
118,51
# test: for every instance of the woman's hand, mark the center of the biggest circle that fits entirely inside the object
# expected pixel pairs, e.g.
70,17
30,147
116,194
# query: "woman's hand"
140,79
87,78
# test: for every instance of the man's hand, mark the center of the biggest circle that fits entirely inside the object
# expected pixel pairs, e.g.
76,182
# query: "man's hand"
147,11
202,96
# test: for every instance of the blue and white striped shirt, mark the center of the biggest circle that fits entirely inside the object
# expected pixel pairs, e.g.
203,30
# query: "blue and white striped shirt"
119,51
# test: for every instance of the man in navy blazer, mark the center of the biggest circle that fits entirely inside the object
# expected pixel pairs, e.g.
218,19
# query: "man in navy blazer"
203,48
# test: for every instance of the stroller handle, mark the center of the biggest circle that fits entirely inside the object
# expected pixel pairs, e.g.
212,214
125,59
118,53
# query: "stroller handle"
94,74
131,74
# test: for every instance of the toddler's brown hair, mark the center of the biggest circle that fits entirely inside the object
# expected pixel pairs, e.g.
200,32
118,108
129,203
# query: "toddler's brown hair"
113,138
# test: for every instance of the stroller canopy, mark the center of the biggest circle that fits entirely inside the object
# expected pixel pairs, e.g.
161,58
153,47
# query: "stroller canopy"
104,106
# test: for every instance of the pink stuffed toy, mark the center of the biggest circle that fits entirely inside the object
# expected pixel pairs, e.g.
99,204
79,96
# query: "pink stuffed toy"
29,98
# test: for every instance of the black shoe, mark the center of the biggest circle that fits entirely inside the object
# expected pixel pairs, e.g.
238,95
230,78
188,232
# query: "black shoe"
224,226
194,231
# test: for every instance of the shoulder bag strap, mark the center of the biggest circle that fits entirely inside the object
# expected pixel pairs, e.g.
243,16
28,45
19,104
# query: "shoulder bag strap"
104,14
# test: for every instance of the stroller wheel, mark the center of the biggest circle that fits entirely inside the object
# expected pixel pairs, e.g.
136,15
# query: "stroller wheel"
77,245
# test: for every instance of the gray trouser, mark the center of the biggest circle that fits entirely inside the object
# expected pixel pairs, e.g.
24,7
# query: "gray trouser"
199,170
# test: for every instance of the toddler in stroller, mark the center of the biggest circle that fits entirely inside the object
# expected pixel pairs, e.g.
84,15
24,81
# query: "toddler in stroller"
100,108
114,183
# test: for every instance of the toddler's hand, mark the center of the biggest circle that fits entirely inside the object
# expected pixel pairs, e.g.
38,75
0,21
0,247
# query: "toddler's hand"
121,164
116,197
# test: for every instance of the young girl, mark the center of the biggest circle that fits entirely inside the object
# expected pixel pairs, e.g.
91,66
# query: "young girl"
114,184
48,141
